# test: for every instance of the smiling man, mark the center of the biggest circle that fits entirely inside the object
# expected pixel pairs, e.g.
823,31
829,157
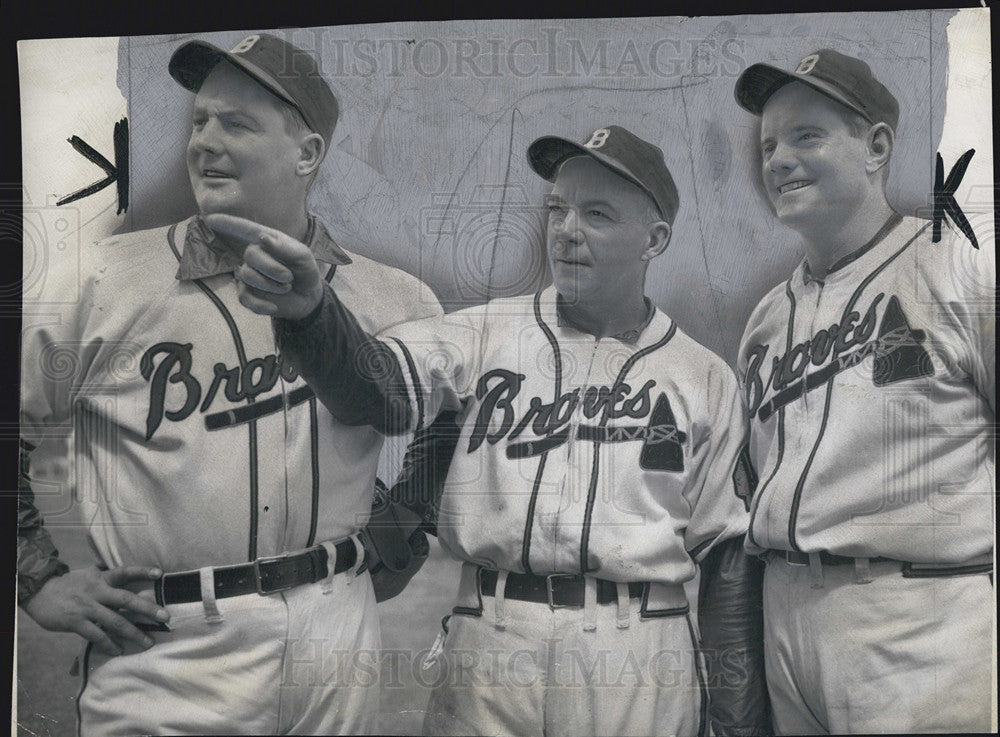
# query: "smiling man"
869,375
223,503
601,460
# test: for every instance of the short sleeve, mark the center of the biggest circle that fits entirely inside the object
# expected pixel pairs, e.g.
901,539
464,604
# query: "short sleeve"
440,358
723,479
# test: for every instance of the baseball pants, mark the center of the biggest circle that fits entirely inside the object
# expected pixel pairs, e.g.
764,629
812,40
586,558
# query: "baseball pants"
295,662
534,670
895,655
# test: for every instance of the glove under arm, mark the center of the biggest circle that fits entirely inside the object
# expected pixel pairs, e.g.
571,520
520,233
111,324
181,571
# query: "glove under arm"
730,618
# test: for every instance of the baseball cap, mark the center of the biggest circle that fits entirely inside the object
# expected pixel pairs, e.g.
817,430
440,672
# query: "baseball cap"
620,150
283,69
843,78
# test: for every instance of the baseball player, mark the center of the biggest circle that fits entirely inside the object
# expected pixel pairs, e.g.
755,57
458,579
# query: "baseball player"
223,503
601,460
869,376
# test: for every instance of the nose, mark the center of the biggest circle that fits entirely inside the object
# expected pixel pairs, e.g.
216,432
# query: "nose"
205,138
781,159
566,227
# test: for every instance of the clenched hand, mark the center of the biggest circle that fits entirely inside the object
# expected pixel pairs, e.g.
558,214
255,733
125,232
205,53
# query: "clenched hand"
279,276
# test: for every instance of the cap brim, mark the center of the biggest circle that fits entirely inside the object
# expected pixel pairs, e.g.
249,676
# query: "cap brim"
548,152
193,61
758,82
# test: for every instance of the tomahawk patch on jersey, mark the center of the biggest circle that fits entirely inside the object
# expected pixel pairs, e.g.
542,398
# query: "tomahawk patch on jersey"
869,413
572,445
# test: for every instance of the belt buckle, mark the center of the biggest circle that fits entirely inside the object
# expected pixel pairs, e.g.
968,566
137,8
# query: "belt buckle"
257,578
548,589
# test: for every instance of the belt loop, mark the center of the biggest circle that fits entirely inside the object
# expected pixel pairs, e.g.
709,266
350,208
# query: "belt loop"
624,603
498,599
815,571
589,604
207,577
331,566
862,570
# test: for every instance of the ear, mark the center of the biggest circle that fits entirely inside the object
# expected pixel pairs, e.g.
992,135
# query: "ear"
312,149
659,239
879,145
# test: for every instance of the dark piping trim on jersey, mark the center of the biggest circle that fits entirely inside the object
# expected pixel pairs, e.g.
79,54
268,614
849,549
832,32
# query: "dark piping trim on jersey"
557,363
589,512
889,226
921,570
797,497
478,610
876,271
418,390
85,666
592,490
702,687
781,411
526,541
242,355
646,613
314,463
760,492
556,352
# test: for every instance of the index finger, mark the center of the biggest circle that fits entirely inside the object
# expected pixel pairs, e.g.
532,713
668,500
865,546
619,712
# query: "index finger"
240,229
122,575
285,249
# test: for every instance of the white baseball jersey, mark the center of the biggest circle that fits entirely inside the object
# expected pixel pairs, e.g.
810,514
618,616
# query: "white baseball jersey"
871,396
194,444
608,457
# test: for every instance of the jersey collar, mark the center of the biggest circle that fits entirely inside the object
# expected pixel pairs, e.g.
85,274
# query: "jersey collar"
207,255
889,225
628,336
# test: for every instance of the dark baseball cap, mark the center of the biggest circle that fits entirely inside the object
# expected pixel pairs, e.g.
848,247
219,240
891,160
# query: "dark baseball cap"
843,78
285,70
620,150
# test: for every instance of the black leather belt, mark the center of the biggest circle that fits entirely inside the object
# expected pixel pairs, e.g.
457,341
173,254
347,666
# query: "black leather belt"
794,558
263,576
556,590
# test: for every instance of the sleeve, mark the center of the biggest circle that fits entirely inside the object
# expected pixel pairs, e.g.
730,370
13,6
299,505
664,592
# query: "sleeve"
731,624
37,558
354,375
958,284
396,381
440,358
975,314
425,468
722,480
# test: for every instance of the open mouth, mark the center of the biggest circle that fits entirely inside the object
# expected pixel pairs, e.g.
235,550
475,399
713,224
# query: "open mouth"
215,174
792,186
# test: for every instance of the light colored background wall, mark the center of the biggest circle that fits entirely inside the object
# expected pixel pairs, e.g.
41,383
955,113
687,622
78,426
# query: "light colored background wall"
430,152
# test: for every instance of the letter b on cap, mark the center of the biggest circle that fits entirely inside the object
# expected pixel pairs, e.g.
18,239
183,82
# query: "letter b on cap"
597,140
806,65
245,45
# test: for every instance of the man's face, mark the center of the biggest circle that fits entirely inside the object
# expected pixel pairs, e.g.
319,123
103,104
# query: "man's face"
598,230
241,156
813,168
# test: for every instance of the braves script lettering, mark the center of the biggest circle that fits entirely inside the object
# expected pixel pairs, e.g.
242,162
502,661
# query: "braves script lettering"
550,421
898,351
172,362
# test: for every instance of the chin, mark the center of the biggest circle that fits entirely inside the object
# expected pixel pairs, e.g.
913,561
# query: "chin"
214,205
